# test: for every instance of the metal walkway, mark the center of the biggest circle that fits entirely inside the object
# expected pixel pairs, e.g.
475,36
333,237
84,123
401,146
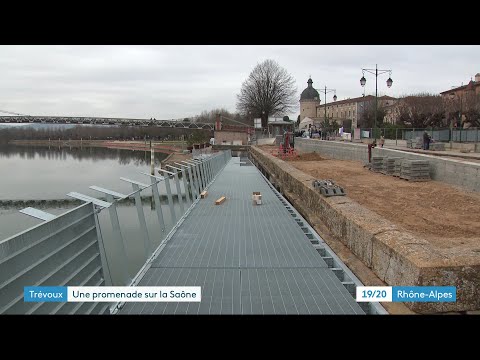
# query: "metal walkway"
248,259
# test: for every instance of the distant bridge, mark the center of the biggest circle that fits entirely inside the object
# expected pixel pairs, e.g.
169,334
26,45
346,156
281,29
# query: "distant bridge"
106,121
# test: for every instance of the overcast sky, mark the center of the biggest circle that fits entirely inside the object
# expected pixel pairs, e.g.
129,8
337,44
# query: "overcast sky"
168,82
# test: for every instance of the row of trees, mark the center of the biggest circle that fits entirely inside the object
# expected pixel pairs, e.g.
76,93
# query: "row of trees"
210,116
425,110
103,133
421,110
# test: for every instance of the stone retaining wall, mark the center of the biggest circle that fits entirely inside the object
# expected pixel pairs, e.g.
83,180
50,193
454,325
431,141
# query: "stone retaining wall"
397,257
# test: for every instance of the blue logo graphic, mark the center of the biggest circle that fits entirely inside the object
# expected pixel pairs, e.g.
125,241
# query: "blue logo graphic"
424,294
45,294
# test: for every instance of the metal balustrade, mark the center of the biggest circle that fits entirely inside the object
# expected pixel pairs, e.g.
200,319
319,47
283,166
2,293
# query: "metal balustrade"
69,249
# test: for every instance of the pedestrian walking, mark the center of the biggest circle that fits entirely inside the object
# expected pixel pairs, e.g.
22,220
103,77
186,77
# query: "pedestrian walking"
382,141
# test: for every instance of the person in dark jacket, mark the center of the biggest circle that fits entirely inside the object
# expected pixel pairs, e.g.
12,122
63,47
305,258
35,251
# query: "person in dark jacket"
426,141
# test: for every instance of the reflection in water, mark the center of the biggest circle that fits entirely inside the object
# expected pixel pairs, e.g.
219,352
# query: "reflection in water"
43,173
124,157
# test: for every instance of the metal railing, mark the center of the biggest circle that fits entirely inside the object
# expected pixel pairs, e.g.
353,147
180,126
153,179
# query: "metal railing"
70,249
62,251
194,175
460,135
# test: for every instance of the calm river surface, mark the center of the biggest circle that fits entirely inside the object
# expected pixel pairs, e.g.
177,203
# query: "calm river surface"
41,176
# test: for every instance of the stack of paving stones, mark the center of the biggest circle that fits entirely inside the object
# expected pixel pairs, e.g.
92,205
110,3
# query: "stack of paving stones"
328,188
398,166
415,170
389,165
377,163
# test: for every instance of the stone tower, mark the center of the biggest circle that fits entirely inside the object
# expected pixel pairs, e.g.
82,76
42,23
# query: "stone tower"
309,100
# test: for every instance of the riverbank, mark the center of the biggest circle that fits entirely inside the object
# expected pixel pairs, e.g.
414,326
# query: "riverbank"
163,147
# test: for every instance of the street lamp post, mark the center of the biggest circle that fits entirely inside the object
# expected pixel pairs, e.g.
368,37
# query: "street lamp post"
363,81
325,90
460,115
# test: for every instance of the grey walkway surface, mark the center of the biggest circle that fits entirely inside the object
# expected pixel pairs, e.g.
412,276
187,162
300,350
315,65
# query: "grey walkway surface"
248,259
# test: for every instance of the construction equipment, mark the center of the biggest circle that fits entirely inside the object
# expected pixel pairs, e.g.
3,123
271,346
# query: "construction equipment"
286,148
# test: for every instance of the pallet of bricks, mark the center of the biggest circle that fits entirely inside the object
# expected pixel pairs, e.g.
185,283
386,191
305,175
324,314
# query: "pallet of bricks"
377,163
415,170
389,165
328,188
398,167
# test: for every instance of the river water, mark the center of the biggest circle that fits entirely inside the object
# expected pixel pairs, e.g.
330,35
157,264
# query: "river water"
41,176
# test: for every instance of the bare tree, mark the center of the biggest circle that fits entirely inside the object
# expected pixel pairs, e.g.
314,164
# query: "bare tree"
97,133
471,110
367,116
421,111
209,116
269,90
228,117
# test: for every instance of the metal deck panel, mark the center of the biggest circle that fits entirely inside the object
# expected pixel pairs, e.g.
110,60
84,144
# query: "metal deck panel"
248,259
238,233
220,291
254,291
295,291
